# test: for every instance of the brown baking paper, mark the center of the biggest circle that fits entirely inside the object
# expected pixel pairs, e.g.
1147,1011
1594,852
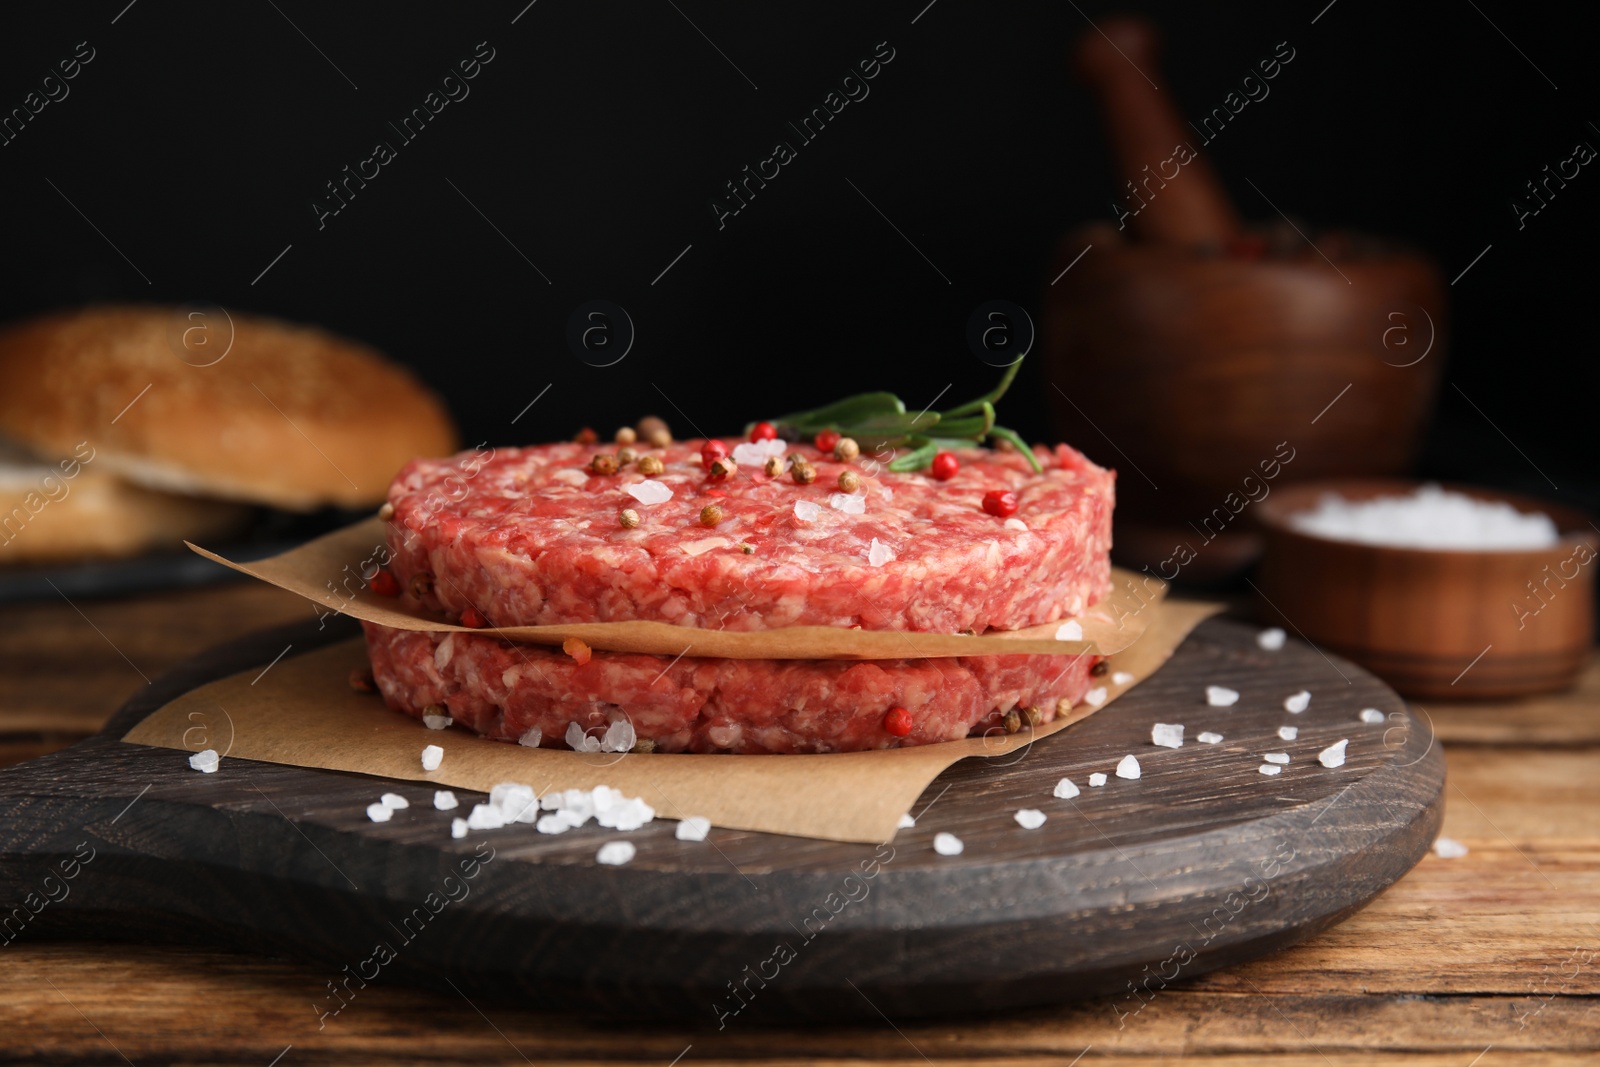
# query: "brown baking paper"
303,712
328,571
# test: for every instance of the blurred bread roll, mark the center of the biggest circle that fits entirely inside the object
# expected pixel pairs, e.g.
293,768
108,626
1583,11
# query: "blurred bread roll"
214,403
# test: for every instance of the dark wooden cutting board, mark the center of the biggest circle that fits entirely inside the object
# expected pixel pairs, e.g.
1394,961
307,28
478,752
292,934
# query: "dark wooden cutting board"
1201,863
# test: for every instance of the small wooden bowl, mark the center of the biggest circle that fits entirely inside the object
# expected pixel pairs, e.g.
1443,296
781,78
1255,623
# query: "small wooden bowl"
1434,623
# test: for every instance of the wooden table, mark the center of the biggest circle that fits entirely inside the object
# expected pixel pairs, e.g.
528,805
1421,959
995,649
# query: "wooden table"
1493,958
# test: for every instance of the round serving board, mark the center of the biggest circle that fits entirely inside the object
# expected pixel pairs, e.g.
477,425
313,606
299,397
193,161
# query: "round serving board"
1201,862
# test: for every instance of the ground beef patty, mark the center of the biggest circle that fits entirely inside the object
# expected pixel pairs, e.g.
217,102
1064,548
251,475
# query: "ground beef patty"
690,704
530,536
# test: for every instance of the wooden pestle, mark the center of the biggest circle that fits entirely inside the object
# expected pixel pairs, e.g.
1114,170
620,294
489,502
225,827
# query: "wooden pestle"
1118,62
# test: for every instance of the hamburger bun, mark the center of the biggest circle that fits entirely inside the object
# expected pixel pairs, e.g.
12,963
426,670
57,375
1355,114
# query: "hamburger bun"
218,404
70,511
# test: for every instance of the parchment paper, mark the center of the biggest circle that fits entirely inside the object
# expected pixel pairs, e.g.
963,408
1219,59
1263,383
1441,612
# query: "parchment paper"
303,712
328,571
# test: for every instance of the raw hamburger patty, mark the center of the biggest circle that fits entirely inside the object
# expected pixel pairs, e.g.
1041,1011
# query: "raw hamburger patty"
712,705
528,536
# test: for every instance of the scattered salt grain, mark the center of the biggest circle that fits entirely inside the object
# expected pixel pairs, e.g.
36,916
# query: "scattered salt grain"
1066,789
1097,778
1095,697
1167,735
1128,768
1014,523
532,738
485,817
1371,715
615,853
1276,757
1270,769
650,491
694,828
947,844
436,722
1448,848
1333,755
1271,639
379,812
1209,738
848,503
1298,702
432,756
1430,517
879,553
1121,678
806,510
445,800
1221,696
579,741
458,828
1030,818
552,824
619,737
394,801
1288,733
205,761
906,822
755,453
1071,630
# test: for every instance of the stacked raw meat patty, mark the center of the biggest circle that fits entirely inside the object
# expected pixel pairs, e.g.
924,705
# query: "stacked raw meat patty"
547,534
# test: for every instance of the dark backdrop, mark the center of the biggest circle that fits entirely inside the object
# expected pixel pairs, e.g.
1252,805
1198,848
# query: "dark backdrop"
589,148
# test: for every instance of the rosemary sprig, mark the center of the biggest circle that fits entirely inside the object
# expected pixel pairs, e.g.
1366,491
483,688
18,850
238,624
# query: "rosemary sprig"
878,419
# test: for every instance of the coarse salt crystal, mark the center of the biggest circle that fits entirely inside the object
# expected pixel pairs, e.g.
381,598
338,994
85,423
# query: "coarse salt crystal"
579,741
1095,697
532,738
1371,715
445,800
806,510
906,822
694,828
1029,818
1288,733
1298,702
379,812
436,722
947,844
485,817
615,853
1271,639
1333,755
879,553
1276,757
1128,768
1209,738
432,756
1220,696
1066,789
619,737
1071,630
552,824
1167,735
458,828
205,761
755,453
1270,769
649,491
1015,523
848,503
1430,517
394,801
1121,678
1097,778
1448,848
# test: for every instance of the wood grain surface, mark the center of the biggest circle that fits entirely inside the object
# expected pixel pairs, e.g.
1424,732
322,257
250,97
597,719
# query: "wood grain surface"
1488,955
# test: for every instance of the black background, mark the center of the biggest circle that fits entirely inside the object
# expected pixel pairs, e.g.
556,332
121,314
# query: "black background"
199,136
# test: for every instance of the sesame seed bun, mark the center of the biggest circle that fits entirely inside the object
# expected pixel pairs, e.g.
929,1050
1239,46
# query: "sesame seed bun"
219,404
